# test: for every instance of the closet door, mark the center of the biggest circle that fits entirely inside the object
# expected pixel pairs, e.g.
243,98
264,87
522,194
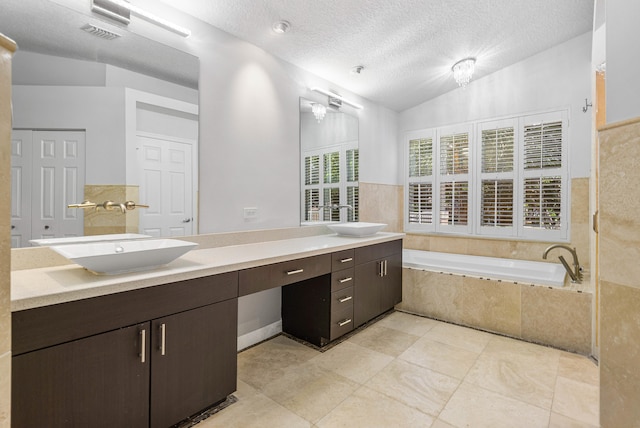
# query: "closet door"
58,180
21,188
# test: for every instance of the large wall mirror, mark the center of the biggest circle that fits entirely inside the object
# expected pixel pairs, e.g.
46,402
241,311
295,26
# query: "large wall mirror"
100,120
329,164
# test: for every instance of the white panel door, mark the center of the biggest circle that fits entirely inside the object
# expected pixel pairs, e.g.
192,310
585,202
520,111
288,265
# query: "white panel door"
58,180
166,185
21,170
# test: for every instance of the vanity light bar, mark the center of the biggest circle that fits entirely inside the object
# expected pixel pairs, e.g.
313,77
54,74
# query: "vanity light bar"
340,97
110,8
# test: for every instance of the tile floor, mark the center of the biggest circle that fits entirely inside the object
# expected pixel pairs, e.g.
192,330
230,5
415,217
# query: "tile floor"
409,371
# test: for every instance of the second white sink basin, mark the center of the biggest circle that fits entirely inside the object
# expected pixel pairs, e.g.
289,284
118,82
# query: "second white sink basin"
356,228
110,258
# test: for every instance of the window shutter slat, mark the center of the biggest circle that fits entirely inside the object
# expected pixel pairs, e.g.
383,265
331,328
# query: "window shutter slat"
454,154
454,203
353,165
543,202
420,203
543,145
312,170
332,167
497,150
421,157
354,201
497,203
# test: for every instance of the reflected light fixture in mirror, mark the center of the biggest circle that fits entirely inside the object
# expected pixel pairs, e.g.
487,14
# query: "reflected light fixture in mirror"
337,96
319,111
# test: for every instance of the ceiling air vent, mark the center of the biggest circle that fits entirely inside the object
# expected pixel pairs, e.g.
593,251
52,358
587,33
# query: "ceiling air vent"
100,32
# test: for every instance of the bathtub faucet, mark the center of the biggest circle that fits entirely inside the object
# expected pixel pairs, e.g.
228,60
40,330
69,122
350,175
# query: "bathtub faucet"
576,273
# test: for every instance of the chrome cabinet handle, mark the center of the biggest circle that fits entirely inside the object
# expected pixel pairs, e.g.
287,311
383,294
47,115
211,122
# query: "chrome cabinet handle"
293,272
385,268
163,337
381,269
345,299
343,280
143,341
345,322
347,260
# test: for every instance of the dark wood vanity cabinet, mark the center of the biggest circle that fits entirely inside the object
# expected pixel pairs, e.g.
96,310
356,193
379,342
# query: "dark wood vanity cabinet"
363,284
378,280
143,358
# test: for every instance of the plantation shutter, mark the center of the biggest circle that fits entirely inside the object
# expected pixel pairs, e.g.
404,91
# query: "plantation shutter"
543,175
497,177
420,186
353,172
454,180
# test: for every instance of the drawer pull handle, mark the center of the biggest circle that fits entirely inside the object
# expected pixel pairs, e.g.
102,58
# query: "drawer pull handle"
345,322
343,280
163,338
143,347
347,260
293,272
345,299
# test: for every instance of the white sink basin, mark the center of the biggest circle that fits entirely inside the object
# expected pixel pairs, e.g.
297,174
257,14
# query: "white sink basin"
88,238
356,228
110,258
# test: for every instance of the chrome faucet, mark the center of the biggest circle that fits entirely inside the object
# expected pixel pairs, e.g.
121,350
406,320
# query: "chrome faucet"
336,207
576,273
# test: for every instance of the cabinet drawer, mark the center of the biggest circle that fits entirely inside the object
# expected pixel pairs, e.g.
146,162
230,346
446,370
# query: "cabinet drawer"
342,279
341,299
297,270
377,251
342,260
341,323
276,275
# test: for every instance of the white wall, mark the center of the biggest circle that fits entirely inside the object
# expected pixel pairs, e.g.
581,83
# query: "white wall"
554,79
623,59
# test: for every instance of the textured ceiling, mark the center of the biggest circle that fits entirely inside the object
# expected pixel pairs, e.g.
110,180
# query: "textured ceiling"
406,46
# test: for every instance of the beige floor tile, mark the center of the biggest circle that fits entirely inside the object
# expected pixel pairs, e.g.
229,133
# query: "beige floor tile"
440,357
266,362
577,400
352,361
415,386
407,323
309,391
561,421
385,340
370,409
461,337
439,423
518,370
472,406
578,367
253,409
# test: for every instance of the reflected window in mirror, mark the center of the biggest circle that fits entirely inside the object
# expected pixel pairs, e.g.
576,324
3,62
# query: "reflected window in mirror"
329,165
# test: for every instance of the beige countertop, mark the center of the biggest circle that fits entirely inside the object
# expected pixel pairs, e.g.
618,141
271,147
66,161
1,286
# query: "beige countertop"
32,288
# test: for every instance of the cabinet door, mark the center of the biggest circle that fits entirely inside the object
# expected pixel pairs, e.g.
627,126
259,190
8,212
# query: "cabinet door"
391,287
99,381
196,367
366,296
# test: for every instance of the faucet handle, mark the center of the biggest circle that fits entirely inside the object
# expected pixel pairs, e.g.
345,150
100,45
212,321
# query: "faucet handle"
130,205
84,204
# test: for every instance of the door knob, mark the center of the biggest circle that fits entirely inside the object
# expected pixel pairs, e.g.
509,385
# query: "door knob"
46,227
186,220
12,227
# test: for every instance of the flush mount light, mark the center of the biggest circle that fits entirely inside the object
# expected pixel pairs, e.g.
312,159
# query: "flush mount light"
463,70
281,27
121,11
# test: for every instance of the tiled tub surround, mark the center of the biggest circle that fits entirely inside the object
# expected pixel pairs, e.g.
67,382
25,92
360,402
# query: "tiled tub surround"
559,317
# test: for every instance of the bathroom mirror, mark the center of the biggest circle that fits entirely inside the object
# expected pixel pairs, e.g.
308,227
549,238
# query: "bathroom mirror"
60,68
329,164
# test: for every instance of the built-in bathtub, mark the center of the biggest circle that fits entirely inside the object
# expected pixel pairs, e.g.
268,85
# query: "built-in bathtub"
517,298
518,271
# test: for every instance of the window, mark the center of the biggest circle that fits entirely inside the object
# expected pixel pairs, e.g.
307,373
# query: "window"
331,177
501,178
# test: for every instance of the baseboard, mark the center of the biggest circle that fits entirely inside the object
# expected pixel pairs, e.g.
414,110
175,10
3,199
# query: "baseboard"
259,335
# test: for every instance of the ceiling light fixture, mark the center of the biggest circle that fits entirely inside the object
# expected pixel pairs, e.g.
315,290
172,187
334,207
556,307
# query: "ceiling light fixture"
120,10
318,111
463,70
281,27
337,96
